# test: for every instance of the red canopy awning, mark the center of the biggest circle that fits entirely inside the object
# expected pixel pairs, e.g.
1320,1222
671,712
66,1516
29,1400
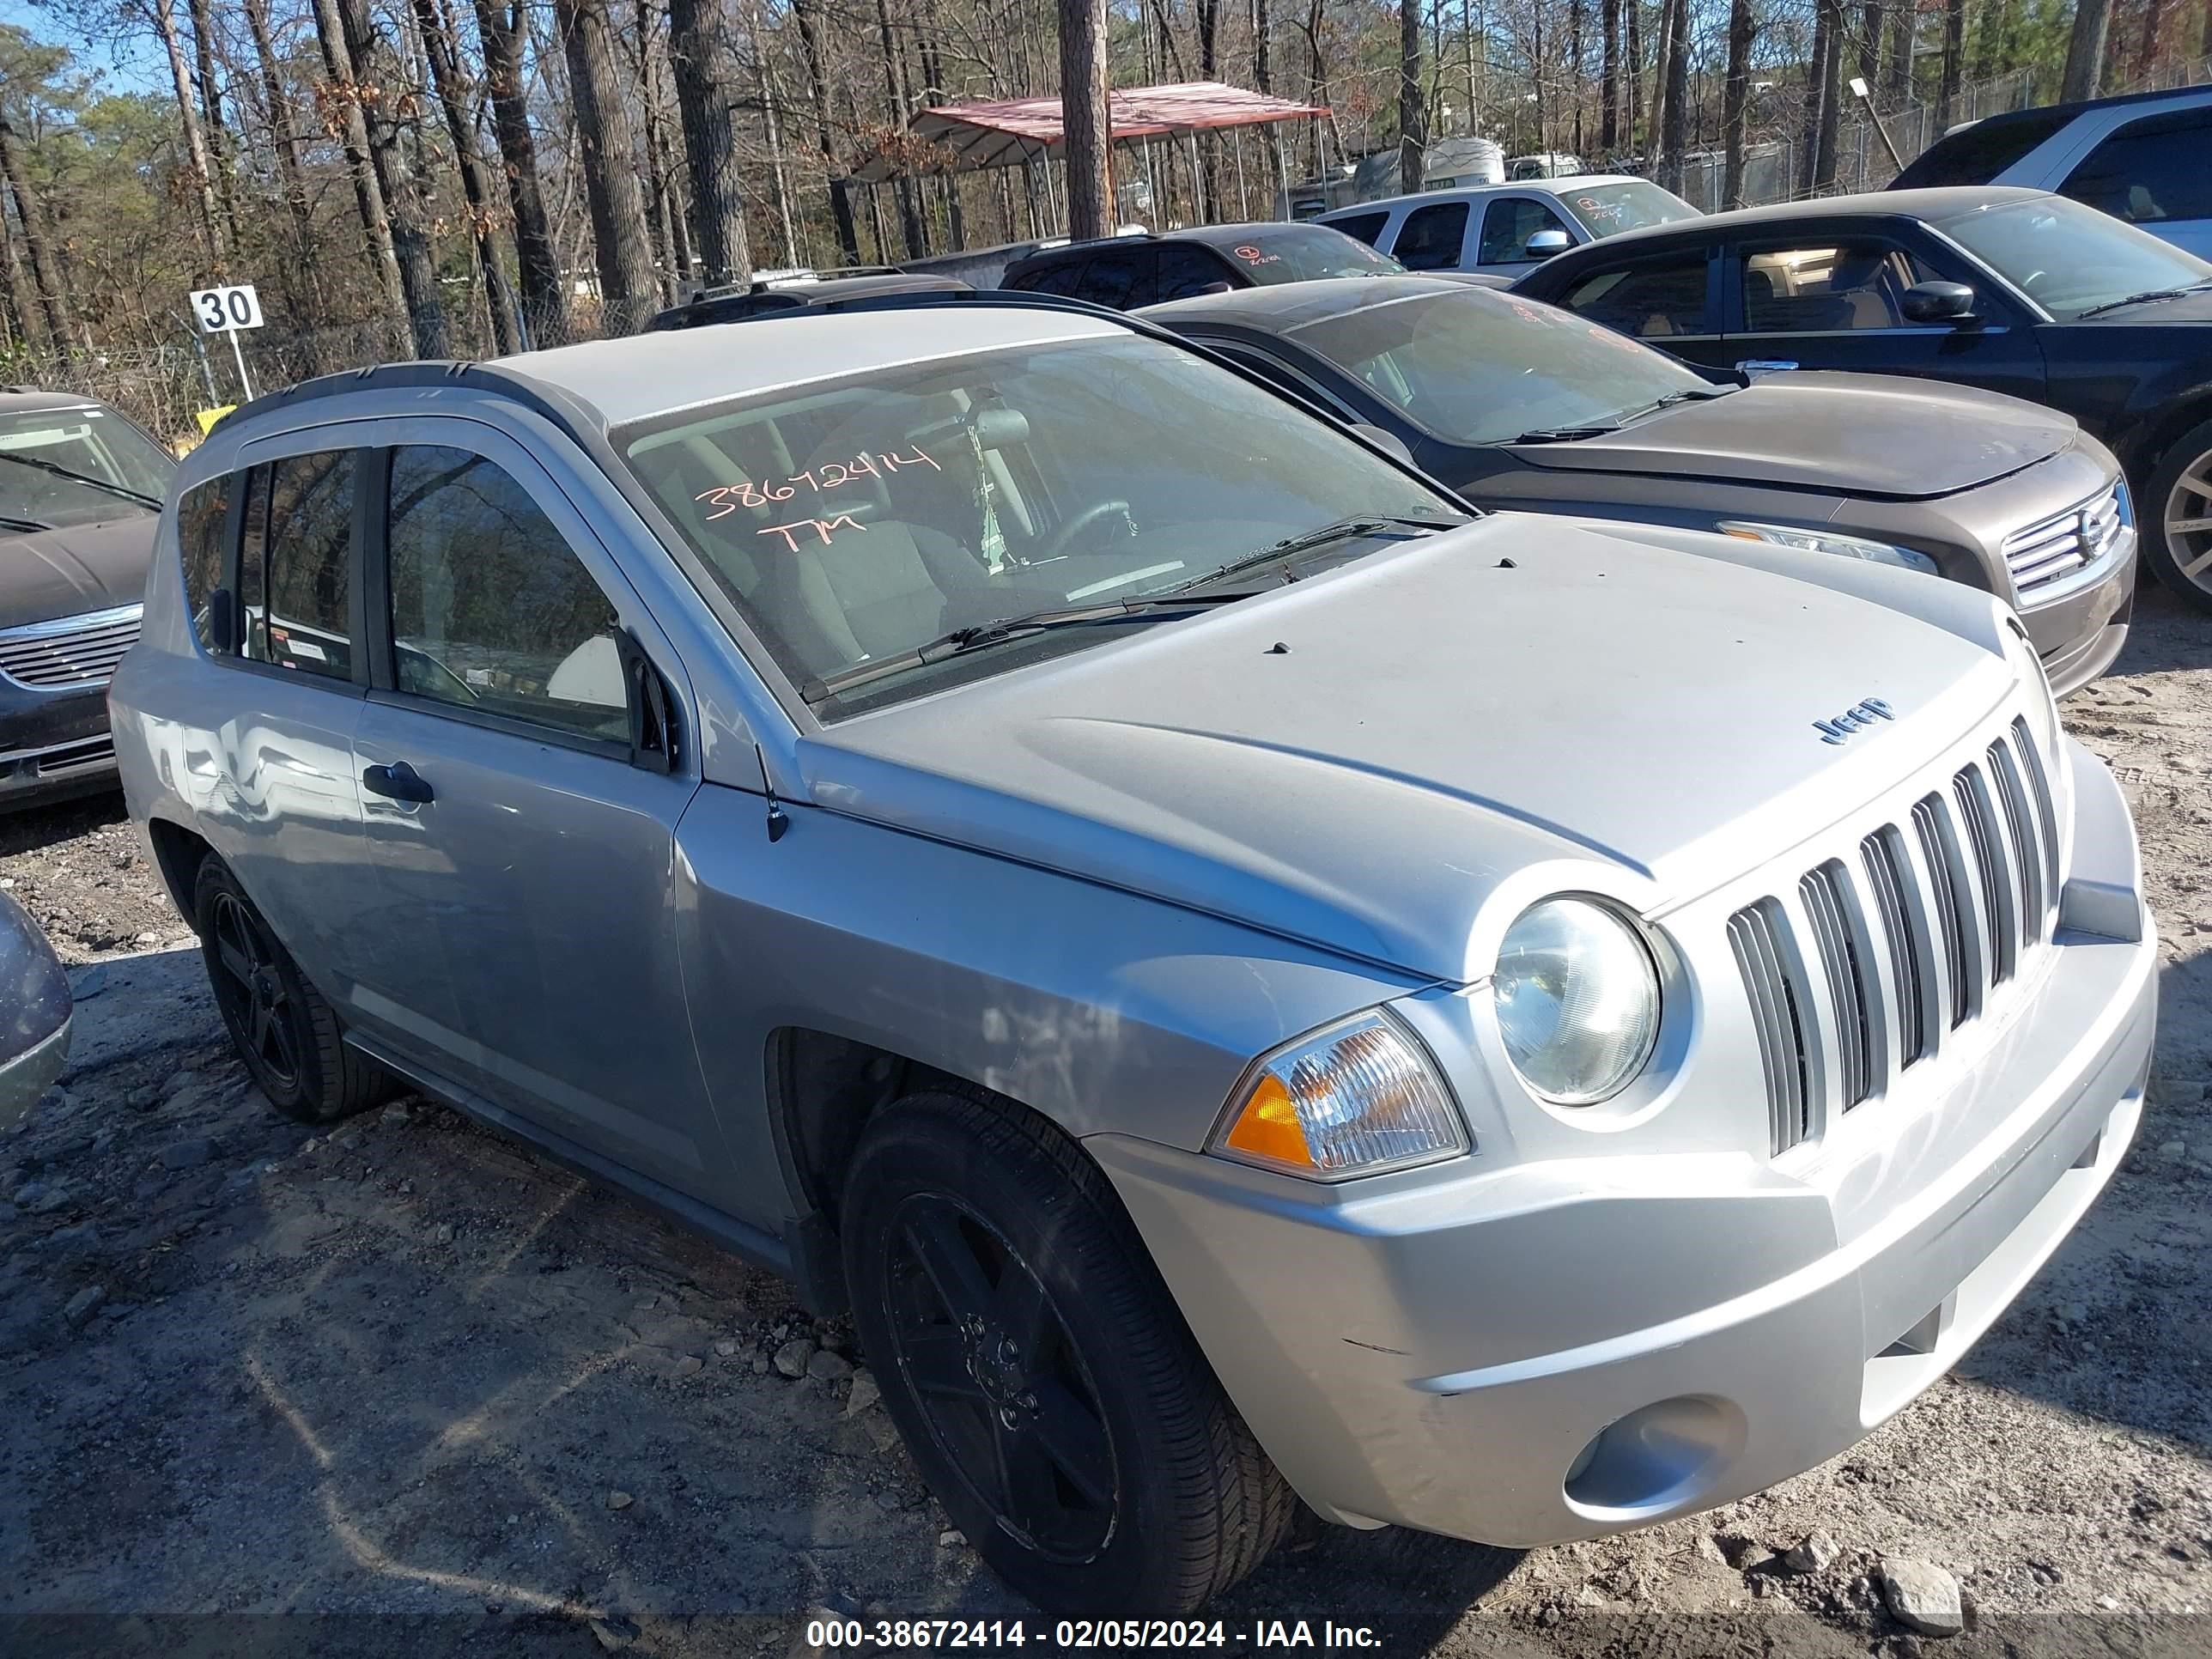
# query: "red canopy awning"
1010,131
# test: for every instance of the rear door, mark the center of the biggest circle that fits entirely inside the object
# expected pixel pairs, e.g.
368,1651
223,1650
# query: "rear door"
1833,298
1433,237
527,849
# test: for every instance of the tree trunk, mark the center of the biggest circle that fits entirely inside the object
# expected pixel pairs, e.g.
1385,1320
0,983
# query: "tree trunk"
1657,125
917,242
410,241
2085,51
1609,90
1084,79
817,86
368,193
2155,15
211,109
772,129
537,261
23,305
1673,134
698,44
622,244
1412,120
1897,76
1954,53
300,278
1742,33
1262,25
165,19
1870,20
1832,100
1807,170
456,94
38,240
1632,84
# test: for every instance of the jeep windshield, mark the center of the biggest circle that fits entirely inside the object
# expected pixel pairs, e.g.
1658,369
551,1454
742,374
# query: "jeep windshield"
912,512
1475,366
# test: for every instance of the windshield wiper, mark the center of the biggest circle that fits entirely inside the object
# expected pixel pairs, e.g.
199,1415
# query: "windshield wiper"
1564,434
8,521
978,635
85,478
1380,528
2142,299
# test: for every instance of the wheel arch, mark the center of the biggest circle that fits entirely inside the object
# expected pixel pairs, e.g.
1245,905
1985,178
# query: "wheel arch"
177,854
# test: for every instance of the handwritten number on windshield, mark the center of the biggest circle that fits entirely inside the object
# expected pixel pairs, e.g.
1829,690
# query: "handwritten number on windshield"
727,499
821,528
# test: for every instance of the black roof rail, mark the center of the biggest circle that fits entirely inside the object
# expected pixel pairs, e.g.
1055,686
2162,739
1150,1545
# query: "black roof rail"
567,413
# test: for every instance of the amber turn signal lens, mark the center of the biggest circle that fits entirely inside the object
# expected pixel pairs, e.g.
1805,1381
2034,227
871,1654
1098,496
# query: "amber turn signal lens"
1269,1128
1351,1099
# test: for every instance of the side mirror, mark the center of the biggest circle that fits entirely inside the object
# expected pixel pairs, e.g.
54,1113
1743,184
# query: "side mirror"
1386,441
1938,303
1545,243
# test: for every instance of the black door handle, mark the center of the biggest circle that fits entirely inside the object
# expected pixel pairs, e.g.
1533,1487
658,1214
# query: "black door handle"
399,781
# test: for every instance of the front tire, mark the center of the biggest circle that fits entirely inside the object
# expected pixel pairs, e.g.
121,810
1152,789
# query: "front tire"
287,1034
2177,516
1042,1378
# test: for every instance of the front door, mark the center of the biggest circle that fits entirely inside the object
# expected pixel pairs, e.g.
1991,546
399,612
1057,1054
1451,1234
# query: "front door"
529,865
1508,223
1825,300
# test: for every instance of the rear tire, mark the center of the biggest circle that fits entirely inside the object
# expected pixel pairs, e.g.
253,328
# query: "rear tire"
1042,1378
288,1036
2175,516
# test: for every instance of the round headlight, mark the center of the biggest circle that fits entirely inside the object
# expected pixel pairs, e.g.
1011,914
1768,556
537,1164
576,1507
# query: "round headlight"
1577,1001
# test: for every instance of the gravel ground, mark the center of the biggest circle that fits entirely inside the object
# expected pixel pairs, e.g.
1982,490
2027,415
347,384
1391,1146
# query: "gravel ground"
414,1386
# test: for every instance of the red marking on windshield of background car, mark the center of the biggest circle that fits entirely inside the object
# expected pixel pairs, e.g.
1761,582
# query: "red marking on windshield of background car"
1253,256
821,528
832,475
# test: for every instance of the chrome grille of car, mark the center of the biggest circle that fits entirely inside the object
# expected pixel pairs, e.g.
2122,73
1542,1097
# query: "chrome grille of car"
2063,543
1949,902
69,651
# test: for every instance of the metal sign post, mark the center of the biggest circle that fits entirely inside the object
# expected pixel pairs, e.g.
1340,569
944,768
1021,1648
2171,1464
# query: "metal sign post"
229,311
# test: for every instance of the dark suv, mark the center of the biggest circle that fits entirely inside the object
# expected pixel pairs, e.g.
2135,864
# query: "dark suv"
1139,270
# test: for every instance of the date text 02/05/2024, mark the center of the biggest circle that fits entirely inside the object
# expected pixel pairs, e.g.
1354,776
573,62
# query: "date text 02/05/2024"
994,1633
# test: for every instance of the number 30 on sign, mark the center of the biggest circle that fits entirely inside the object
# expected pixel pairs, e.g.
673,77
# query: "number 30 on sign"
221,310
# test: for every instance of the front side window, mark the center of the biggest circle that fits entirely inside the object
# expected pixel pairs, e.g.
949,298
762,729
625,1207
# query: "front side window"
296,565
71,466
1433,237
1658,300
855,522
2069,258
1477,367
1121,277
1185,270
1508,225
1305,253
1060,278
491,610
2150,171
1819,290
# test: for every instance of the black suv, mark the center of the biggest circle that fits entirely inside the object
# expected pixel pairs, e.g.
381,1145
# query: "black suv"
1142,268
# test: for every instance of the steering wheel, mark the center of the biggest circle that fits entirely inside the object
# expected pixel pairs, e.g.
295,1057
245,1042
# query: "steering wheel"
1065,537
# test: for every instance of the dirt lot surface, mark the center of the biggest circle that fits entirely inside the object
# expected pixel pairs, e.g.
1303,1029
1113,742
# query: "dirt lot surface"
418,1388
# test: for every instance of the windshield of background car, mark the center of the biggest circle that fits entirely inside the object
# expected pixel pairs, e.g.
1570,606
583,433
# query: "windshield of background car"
1609,209
1305,253
1480,367
855,521
2069,258
95,443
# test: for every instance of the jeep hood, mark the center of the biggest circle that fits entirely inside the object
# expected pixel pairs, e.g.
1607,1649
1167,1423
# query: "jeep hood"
1855,434
1357,760
47,573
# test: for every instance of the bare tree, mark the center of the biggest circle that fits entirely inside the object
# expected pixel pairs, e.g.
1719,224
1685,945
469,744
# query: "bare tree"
1742,34
2084,49
1609,92
299,275
352,131
1672,132
1897,75
840,193
165,20
1412,120
38,239
537,262
1086,116
697,41
621,241
1954,53
410,237
456,91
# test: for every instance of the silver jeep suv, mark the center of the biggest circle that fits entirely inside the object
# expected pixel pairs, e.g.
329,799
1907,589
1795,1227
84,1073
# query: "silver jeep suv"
1246,981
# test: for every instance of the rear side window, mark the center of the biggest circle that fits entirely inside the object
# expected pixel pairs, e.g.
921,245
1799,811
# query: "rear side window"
1049,279
1185,270
296,565
1648,302
2150,171
1121,277
1433,237
491,610
1984,151
202,513
1366,225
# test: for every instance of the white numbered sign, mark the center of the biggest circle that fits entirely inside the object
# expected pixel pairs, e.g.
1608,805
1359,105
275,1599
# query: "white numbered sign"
222,310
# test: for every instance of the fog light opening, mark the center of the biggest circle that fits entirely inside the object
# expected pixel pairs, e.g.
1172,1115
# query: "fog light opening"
1657,1458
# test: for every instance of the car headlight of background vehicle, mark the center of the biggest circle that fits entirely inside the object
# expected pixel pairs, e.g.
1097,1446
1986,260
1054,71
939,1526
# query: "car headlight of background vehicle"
1351,1099
1829,541
1578,996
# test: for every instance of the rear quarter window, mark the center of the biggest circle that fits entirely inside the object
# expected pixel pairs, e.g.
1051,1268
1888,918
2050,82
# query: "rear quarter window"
203,513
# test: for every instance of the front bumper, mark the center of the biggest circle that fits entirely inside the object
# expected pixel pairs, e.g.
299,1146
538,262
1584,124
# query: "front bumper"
26,1078
2078,636
1403,1357
53,744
